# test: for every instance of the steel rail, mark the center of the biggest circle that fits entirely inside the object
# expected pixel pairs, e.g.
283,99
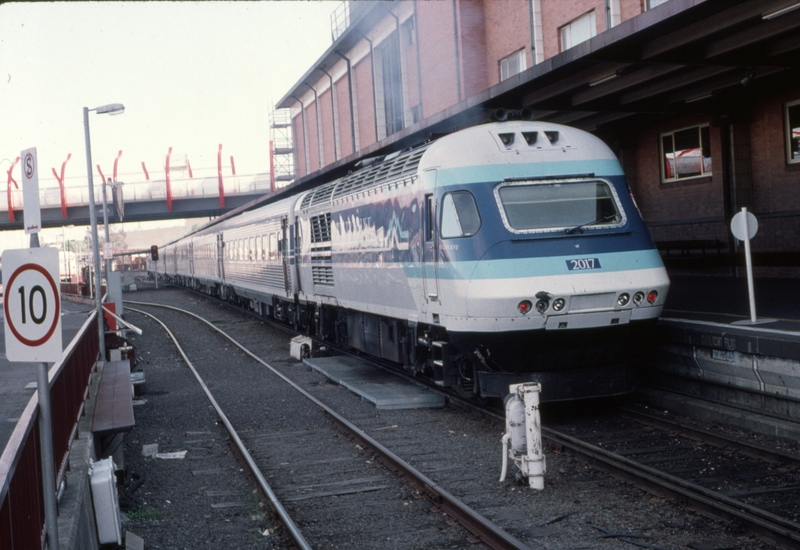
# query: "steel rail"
707,436
276,504
474,522
777,529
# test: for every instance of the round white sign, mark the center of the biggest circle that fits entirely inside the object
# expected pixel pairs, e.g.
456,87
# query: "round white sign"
737,226
32,305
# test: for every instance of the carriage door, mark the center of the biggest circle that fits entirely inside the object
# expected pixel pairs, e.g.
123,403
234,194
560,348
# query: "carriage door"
220,257
287,254
191,262
430,239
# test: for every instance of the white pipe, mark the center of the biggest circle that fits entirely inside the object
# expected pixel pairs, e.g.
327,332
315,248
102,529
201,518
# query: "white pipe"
534,464
504,442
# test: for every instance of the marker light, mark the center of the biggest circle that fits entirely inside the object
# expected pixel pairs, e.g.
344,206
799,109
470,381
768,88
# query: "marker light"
525,307
622,299
638,298
558,304
652,296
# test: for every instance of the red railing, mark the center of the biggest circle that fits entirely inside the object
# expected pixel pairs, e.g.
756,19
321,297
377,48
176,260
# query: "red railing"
21,495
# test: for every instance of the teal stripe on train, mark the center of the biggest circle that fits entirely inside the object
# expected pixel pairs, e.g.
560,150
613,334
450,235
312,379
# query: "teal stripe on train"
540,267
471,174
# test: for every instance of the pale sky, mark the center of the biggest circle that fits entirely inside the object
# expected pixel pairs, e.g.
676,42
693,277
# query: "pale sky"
191,75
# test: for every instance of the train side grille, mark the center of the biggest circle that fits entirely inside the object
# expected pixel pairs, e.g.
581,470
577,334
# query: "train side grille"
322,274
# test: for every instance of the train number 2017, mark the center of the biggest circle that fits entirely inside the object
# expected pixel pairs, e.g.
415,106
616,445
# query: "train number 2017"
583,263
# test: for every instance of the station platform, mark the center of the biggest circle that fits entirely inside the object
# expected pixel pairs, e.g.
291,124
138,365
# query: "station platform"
711,362
18,380
725,300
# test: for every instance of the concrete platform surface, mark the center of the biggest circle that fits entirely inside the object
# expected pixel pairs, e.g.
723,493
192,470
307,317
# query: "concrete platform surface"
384,389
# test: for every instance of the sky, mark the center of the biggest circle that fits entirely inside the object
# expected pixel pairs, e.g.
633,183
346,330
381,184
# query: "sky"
191,75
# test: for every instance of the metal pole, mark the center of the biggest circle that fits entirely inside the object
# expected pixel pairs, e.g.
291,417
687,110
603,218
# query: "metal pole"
48,462
96,251
749,262
105,226
46,445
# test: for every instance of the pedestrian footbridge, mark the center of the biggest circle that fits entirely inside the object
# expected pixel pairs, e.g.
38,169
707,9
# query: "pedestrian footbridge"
182,197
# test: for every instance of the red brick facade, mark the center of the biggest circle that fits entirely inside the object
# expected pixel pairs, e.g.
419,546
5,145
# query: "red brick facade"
451,50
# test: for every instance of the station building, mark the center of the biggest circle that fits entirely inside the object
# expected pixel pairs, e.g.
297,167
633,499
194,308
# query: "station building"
700,100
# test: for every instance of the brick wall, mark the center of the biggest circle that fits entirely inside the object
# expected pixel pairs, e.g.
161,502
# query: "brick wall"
343,107
776,183
473,44
557,13
362,73
299,146
437,56
326,120
313,141
508,30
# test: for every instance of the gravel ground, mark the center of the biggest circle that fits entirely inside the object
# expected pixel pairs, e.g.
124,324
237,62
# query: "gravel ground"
206,501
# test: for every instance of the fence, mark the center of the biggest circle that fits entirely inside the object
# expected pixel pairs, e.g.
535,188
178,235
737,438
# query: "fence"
21,492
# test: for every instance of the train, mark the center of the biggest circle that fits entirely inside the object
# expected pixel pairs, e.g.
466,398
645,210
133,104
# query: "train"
502,253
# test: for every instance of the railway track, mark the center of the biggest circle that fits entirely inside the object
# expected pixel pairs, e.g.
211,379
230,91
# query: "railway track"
467,468
340,469
749,483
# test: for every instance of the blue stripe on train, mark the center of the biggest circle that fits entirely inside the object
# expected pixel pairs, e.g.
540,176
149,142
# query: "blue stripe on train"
540,267
469,174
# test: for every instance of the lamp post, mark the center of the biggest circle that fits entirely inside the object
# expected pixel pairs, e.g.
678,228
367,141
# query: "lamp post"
112,109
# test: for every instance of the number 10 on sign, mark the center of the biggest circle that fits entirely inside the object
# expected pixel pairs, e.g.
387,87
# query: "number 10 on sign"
32,305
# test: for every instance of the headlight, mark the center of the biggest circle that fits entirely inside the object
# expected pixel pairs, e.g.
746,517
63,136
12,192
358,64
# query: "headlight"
623,299
558,304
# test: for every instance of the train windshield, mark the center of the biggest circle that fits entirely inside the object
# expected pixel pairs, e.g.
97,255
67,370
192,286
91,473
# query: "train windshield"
569,206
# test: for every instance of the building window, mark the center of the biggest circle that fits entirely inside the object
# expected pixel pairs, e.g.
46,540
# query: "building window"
685,154
577,31
792,117
389,86
653,3
513,64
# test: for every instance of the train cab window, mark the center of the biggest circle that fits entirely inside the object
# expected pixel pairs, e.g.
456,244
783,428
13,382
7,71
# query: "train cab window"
460,216
539,207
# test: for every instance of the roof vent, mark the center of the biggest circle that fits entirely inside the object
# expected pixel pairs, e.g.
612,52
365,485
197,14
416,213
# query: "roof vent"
507,139
552,136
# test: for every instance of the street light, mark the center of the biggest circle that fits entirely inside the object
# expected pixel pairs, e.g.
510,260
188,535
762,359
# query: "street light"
112,109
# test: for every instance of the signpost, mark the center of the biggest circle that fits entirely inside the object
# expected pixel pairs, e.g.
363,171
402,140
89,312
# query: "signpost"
744,227
32,308
32,305
30,191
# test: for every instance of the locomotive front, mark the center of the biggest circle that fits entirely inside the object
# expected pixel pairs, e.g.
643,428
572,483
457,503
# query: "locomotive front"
545,269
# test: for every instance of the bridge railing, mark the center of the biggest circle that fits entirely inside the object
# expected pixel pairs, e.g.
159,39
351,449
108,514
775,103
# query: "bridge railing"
22,523
149,190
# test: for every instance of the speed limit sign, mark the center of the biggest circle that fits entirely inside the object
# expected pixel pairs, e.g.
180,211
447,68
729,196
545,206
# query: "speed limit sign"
32,305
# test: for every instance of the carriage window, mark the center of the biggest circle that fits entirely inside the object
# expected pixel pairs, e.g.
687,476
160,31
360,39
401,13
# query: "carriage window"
549,206
686,154
460,216
273,246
